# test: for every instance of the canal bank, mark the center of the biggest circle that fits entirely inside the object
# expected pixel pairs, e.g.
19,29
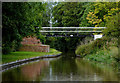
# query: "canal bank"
102,50
20,62
18,58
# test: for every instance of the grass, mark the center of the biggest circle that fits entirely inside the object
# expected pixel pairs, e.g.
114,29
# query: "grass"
18,55
104,56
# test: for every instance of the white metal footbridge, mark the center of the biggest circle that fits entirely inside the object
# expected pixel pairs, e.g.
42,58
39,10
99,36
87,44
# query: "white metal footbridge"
70,31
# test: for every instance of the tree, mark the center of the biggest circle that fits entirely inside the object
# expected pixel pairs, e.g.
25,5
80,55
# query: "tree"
113,26
47,14
20,20
67,14
101,13
87,7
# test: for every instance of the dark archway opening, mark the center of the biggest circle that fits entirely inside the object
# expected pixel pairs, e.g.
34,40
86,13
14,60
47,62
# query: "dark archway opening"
66,44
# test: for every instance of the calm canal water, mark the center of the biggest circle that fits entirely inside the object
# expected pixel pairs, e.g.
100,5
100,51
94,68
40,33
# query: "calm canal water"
62,69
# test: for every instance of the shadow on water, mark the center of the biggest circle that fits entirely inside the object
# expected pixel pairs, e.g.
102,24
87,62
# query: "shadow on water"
64,65
65,68
68,54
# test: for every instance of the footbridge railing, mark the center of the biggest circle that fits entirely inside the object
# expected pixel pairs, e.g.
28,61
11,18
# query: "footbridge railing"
71,31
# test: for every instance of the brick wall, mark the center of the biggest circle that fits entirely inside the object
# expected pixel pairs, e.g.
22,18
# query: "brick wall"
30,40
34,45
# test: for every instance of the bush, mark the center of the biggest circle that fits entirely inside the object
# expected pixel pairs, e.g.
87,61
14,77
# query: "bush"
81,50
103,56
6,50
114,52
102,43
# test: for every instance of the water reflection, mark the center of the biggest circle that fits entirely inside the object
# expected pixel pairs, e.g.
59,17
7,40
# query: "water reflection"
32,71
98,71
71,69
62,69
29,72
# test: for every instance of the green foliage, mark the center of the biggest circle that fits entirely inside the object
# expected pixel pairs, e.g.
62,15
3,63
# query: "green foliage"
104,56
113,26
81,50
86,40
47,14
83,14
101,13
19,20
93,47
87,7
67,14
114,52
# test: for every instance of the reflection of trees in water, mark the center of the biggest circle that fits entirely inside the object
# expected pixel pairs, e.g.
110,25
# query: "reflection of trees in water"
68,55
12,75
64,66
104,71
32,71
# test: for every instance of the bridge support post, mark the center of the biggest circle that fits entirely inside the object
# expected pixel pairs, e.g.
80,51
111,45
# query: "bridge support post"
98,36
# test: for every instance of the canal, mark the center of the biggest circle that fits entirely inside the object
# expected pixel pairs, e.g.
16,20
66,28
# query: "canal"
63,68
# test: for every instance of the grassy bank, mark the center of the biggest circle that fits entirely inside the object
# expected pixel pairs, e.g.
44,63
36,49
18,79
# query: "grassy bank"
18,55
104,50
104,56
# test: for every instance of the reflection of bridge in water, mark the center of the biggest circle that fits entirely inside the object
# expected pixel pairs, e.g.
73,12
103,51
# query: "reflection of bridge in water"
70,31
